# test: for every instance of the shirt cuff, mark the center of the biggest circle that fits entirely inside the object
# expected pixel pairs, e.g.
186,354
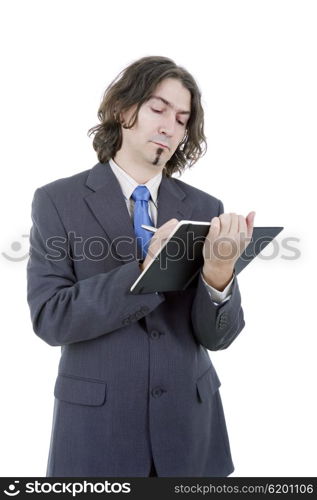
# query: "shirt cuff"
216,295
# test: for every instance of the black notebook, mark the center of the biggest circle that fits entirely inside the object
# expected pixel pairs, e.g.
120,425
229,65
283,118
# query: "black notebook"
180,259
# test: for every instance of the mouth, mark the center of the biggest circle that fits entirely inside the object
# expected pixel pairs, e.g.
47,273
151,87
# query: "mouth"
162,145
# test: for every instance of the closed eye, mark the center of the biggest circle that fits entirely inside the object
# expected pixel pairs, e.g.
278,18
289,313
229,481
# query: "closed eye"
160,111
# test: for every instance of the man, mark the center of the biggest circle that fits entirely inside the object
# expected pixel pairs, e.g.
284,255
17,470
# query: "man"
136,393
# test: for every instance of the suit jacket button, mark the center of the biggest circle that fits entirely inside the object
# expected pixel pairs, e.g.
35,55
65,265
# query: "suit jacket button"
157,392
144,309
154,334
126,321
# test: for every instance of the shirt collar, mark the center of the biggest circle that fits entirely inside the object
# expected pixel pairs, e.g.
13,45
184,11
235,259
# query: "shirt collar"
128,184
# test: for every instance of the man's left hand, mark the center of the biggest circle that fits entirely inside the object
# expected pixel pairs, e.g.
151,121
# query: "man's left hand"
228,237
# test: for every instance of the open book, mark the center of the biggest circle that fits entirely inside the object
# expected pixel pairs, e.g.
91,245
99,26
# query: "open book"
180,258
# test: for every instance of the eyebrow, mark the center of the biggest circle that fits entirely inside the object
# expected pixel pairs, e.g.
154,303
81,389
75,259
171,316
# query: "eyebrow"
182,112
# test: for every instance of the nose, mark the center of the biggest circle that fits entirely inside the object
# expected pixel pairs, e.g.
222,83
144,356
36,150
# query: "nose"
167,125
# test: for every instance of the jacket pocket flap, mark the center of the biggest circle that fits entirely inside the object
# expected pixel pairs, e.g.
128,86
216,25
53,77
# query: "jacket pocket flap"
80,390
207,384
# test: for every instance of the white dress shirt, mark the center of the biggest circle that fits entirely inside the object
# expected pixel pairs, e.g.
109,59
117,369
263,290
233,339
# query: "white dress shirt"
128,185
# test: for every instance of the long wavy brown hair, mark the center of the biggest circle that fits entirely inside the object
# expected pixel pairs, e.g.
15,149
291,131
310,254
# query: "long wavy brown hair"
134,86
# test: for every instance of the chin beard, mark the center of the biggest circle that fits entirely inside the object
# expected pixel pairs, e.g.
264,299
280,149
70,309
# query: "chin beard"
159,151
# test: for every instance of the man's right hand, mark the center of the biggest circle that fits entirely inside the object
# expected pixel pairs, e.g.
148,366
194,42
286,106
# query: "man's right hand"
158,240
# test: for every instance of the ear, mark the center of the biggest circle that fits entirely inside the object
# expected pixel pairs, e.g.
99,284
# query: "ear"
125,116
119,117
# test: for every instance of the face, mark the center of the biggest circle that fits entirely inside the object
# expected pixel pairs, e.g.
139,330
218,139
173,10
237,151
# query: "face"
160,126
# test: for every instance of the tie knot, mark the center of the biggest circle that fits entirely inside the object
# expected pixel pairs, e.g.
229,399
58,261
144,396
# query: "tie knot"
141,193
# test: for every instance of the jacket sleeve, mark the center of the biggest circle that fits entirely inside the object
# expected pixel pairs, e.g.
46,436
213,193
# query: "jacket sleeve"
63,309
216,326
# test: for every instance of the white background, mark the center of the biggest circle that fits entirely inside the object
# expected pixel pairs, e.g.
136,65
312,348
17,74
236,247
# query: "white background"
255,63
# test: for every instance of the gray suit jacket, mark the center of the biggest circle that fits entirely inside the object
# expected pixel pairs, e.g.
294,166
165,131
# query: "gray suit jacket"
134,379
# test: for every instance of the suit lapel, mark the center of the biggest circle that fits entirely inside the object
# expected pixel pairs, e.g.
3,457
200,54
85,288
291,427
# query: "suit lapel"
172,202
108,205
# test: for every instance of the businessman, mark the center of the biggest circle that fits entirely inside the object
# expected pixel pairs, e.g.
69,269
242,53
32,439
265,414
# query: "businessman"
136,393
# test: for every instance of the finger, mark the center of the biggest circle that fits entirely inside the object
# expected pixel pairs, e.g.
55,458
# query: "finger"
250,223
243,230
242,225
214,229
166,228
225,223
234,226
171,222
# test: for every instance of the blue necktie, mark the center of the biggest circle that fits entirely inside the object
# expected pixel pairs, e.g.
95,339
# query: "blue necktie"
141,196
